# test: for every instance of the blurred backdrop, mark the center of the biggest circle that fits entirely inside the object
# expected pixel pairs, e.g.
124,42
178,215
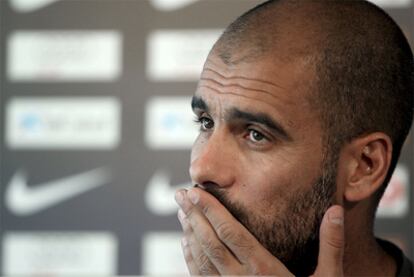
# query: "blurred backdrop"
96,131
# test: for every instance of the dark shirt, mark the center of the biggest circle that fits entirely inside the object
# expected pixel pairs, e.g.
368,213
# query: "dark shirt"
404,265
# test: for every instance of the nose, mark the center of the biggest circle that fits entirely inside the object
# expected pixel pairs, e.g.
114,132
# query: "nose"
213,162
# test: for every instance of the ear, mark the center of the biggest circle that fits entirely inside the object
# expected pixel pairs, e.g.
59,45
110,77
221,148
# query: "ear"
366,161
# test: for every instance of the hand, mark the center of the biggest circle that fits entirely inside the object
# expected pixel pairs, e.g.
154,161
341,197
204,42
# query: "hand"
215,243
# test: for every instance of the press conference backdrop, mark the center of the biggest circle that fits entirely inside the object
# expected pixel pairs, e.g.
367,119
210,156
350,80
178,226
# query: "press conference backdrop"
96,131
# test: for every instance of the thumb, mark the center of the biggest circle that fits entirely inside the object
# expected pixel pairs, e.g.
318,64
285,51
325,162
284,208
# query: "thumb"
332,243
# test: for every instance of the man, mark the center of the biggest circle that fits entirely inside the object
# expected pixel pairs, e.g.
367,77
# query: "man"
303,109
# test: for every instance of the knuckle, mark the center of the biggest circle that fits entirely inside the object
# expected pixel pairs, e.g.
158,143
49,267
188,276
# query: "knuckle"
256,268
205,209
206,243
225,232
335,242
217,253
190,212
204,265
215,250
191,218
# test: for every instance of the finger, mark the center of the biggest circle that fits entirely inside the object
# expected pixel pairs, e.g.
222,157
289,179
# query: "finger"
332,243
197,261
242,244
189,260
188,256
214,249
204,265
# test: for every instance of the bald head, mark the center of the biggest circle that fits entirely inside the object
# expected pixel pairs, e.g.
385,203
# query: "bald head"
363,64
271,29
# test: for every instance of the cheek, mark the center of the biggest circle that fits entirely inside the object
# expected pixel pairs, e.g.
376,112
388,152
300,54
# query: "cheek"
264,182
269,184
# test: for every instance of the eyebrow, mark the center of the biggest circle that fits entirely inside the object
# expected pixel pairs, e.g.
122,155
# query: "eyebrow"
237,114
260,118
199,103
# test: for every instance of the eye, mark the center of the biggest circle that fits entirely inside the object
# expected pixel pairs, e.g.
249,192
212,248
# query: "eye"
256,136
205,123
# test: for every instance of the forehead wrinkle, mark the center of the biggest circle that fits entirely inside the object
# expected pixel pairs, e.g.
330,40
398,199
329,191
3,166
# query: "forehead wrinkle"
241,78
233,93
227,89
234,85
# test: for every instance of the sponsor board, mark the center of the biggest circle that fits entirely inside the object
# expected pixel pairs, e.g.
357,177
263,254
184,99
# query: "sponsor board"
162,254
169,123
178,55
171,5
395,201
57,56
63,123
59,253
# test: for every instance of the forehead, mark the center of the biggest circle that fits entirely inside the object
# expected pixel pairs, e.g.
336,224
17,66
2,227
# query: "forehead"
279,88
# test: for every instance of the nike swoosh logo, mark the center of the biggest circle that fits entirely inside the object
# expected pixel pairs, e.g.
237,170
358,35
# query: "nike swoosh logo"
170,5
30,6
159,195
23,200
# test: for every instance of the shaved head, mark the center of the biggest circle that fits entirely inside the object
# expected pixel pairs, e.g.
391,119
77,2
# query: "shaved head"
362,63
270,30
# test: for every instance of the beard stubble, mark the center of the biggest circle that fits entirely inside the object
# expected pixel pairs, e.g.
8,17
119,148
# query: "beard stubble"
292,236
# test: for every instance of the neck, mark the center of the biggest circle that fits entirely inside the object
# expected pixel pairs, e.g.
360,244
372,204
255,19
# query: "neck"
363,256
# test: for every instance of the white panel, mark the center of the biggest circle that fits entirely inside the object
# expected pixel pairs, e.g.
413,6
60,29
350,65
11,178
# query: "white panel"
171,5
395,200
392,3
63,123
29,5
162,254
178,55
59,254
169,123
56,56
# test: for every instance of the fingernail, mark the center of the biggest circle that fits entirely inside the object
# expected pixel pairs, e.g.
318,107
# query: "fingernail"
181,215
337,217
179,197
193,196
184,242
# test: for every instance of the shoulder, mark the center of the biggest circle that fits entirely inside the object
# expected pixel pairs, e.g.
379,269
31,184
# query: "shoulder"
404,265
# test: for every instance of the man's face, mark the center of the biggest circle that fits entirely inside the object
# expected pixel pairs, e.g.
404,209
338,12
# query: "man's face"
259,151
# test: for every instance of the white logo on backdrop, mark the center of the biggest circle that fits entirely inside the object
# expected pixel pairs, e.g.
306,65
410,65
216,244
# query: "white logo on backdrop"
63,123
178,55
29,5
170,5
59,254
159,194
56,56
169,124
23,200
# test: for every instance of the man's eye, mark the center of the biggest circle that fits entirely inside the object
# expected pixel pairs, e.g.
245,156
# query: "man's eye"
256,136
205,123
